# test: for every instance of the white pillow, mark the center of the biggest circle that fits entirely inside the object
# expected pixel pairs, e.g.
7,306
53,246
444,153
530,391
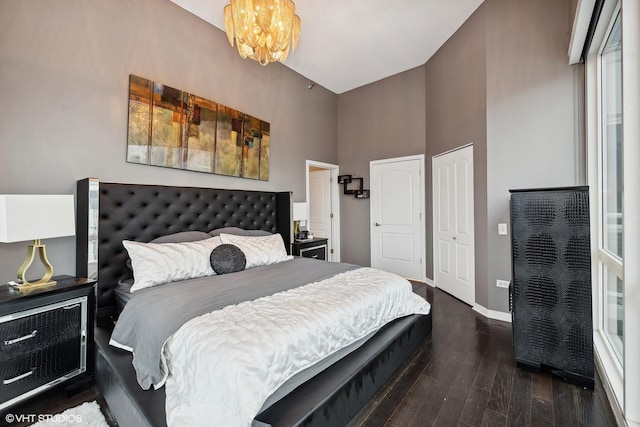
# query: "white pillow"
157,263
259,251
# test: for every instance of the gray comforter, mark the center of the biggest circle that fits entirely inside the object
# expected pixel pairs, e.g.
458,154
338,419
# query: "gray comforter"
154,314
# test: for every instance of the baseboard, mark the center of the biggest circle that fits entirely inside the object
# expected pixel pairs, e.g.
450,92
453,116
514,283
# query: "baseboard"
492,314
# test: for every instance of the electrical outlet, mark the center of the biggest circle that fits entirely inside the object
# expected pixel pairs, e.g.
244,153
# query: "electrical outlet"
502,283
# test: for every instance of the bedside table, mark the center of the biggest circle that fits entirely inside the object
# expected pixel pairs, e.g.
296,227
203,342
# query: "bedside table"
46,337
312,248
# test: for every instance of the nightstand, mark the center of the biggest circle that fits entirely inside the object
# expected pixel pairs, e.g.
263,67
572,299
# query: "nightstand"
312,248
46,337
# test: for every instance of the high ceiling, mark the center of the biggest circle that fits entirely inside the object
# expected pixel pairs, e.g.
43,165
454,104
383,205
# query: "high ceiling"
345,44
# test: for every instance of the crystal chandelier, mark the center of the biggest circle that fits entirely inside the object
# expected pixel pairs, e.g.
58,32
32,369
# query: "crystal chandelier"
263,29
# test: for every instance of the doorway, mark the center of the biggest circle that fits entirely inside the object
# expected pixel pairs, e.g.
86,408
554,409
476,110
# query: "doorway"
397,216
453,227
324,205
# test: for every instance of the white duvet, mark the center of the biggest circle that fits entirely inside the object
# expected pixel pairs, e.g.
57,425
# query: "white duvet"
223,365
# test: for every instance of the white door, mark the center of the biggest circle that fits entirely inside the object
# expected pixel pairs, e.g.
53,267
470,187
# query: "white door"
323,199
397,206
320,203
453,242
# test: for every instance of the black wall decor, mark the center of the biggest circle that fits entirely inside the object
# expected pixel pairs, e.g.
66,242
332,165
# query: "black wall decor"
551,287
353,186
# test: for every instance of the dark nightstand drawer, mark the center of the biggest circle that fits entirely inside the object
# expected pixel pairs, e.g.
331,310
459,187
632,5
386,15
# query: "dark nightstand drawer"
316,248
34,370
318,252
32,332
45,337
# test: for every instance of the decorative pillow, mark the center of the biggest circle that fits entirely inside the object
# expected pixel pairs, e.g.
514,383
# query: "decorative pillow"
227,259
123,293
237,231
182,237
259,250
157,263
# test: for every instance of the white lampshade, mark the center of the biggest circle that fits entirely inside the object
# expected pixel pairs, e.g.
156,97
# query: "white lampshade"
36,216
299,211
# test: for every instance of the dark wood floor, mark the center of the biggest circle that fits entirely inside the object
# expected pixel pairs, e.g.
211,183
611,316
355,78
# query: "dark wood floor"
463,375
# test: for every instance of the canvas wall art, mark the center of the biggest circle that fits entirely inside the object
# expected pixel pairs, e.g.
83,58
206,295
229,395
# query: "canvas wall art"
172,128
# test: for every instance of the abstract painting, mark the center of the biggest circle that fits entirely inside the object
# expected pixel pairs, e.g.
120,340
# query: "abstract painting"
172,128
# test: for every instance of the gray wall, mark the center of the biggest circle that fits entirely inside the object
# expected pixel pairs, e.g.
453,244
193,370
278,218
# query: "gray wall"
64,72
381,120
531,118
501,82
455,116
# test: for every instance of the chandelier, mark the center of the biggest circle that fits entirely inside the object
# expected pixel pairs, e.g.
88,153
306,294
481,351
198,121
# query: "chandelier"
263,29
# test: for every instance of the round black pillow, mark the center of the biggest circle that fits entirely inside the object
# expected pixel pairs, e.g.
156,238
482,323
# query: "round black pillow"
227,258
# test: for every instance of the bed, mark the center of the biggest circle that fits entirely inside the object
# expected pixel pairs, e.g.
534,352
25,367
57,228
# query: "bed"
110,213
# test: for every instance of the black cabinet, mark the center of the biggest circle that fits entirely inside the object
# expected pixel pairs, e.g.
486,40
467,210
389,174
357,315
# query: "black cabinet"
46,337
312,248
551,286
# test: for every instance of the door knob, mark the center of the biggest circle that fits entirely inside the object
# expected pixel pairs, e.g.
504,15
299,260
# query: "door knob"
377,224
454,237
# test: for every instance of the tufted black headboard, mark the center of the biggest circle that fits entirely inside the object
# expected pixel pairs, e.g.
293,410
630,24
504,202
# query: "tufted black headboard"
145,212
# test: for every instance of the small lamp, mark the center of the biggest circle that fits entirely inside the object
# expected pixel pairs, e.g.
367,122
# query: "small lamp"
299,214
35,217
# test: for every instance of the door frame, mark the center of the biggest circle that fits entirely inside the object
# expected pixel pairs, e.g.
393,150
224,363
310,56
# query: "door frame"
334,241
423,219
435,208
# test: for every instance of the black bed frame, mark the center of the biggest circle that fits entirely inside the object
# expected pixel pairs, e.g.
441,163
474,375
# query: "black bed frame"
145,212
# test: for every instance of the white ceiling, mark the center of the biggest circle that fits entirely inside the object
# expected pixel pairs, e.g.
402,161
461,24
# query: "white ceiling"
345,44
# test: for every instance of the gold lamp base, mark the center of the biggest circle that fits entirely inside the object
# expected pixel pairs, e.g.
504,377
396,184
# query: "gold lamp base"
23,283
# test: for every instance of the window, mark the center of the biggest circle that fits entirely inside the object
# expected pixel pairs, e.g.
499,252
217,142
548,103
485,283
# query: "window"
610,254
613,309
612,77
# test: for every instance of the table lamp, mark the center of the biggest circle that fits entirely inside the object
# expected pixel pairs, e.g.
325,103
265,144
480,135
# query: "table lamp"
35,217
299,214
